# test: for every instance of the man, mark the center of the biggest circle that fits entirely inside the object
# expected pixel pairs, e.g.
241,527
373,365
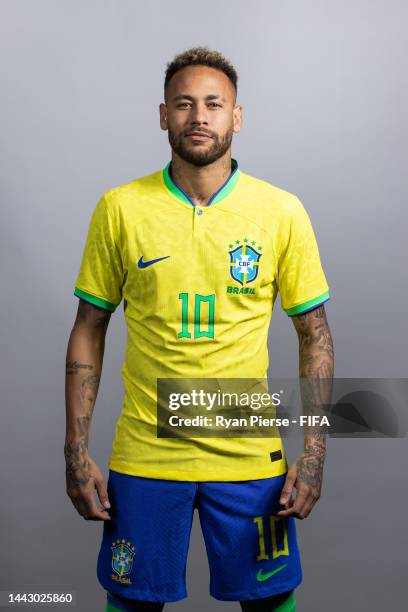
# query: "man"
198,251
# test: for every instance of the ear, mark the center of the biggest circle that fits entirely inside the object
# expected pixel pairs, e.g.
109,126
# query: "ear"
237,118
163,116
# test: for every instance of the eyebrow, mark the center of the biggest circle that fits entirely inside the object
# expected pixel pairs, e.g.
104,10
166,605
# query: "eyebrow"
187,97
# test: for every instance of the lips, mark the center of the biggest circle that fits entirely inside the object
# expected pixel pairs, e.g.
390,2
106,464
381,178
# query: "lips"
198,135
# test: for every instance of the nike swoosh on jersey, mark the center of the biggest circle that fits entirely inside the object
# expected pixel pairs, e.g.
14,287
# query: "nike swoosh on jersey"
261,576
146,264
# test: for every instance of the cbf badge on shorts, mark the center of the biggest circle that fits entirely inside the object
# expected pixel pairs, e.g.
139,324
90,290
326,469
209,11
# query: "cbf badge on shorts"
123,553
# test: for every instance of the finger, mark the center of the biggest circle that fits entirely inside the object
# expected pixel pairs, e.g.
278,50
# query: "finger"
289,503
91,511
296,506
102,492
307,508
289,509
102,515
97,514
304,513
84,504
287,488
104,510
286,513
300,503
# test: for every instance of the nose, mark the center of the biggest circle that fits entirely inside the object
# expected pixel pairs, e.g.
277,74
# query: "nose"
198,115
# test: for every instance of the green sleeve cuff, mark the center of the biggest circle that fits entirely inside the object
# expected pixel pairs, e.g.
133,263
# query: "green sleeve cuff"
95,301
309,305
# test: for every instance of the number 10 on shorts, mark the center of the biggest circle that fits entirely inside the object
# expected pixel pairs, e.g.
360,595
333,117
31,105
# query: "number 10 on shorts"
279,537
205,318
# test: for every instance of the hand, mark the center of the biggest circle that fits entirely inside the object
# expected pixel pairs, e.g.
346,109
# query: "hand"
306,475
83,476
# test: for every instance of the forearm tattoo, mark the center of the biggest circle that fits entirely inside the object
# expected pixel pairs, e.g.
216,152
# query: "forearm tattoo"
76,450
76,454
88,392
315,344
73,367
316,366
84,388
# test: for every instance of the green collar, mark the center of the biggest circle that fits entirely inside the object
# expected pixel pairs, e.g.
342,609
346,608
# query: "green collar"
219,195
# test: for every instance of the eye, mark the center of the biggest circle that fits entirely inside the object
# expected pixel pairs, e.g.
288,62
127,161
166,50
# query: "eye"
183,105
214,104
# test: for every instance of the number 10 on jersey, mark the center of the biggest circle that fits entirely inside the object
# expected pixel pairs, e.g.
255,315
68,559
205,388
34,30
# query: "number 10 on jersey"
203,312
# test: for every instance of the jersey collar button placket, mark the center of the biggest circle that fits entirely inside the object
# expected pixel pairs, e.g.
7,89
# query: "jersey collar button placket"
198,215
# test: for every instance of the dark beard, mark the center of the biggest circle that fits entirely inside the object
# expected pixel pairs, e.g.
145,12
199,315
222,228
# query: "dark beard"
201,158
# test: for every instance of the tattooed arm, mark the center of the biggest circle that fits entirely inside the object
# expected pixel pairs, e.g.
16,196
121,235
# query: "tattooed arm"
83,371
316,365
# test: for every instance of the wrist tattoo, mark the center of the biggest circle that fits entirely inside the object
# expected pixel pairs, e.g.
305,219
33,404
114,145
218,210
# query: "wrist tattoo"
310,471
77,464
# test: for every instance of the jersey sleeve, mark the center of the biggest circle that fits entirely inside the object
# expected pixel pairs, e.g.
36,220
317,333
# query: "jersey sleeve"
301,281
100,277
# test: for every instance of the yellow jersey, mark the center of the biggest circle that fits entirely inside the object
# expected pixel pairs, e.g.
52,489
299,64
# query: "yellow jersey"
198,285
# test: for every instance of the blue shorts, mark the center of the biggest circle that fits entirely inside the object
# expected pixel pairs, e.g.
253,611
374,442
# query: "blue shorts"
252,553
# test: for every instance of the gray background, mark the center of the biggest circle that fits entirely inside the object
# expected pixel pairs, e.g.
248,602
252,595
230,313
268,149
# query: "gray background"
323,85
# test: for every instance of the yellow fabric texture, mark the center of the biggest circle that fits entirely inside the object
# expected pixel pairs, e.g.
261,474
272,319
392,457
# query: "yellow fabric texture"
145,219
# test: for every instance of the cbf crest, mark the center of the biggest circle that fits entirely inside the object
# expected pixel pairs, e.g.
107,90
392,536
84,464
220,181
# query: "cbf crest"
244,261
123,553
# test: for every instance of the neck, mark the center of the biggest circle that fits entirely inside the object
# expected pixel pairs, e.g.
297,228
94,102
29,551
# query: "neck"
200,182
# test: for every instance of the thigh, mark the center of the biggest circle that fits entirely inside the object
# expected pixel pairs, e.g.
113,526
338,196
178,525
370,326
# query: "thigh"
144,547
252,552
